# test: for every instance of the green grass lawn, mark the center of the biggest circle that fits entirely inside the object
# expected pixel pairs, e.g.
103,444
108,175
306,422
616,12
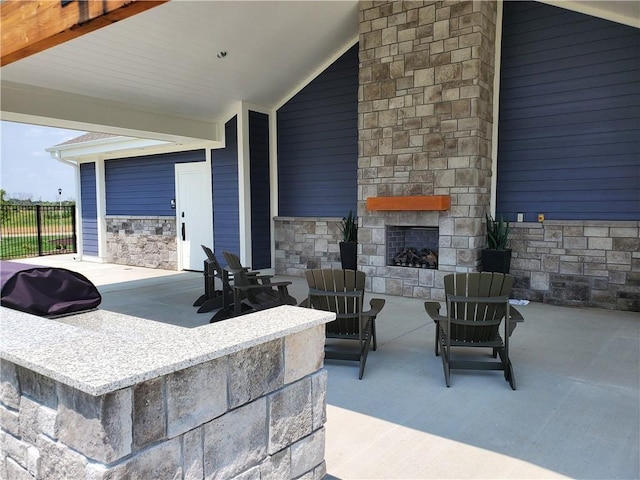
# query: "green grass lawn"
27,246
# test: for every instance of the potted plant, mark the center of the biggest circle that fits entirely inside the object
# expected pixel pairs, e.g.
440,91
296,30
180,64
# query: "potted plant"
497,256
349,244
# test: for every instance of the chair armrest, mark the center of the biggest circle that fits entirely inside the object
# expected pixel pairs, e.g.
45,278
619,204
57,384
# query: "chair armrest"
246,270
264,279
283,291
515,316
264,286
304,303
250,274
376,305
433,310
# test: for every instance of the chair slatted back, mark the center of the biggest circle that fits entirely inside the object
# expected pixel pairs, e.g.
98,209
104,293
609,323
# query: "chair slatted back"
233,261
346,308
218,271
210,255
213,261
487,315
241,279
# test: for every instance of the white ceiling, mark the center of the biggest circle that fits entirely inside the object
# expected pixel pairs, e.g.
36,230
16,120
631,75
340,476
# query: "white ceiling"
164,62
621,11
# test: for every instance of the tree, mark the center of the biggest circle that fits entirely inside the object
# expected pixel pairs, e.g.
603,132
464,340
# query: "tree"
4,208
22,198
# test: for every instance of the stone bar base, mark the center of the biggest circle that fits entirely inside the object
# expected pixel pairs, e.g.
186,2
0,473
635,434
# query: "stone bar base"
142,241
257,411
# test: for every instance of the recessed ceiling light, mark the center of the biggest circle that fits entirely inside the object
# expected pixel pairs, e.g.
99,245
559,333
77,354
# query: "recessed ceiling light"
222,54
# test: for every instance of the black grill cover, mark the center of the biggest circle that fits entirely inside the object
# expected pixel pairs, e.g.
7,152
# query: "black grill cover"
46,291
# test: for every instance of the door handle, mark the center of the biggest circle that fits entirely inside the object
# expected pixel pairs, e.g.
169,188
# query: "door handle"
183,232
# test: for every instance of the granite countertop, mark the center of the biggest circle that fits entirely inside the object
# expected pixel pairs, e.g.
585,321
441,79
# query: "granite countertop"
101,351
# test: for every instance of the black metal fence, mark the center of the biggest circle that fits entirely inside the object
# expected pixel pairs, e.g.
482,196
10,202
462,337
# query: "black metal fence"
35,230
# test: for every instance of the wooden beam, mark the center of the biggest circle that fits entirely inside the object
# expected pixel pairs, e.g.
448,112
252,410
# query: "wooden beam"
422,202
31,26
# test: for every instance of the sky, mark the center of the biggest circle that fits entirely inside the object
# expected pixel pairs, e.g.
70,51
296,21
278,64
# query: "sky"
27,171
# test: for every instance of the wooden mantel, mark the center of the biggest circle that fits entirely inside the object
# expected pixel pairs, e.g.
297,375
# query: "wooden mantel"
421,202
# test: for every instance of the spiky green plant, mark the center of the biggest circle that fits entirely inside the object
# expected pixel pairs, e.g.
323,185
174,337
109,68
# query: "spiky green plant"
349,228
497,233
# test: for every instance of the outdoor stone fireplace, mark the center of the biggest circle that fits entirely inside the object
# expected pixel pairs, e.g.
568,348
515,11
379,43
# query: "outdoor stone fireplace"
413,247
425,124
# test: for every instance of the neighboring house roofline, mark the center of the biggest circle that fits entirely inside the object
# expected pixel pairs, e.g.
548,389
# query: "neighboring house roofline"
91,145
98,144
86,138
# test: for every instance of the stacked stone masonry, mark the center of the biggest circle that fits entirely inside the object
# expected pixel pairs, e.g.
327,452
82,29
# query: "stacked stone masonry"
578,263
575,263
425,124
304,243
142,242
425,105
238,416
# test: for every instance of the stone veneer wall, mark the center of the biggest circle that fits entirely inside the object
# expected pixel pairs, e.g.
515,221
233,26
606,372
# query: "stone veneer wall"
142,241
235,416
578,263
303,243
425,125
575,263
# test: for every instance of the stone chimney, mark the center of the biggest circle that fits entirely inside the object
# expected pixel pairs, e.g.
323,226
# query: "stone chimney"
425,122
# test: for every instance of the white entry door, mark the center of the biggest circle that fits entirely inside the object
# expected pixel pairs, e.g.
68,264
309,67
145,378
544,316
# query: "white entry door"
193,213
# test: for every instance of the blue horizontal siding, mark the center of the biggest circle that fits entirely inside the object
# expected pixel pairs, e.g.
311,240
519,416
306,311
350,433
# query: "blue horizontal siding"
260,190
144,185
89,208
226,207
569,130
318,144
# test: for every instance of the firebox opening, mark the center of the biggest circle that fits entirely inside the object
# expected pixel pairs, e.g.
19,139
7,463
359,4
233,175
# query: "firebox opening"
415,247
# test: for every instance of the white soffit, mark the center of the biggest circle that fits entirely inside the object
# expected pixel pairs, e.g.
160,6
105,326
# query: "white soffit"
163,63
619,11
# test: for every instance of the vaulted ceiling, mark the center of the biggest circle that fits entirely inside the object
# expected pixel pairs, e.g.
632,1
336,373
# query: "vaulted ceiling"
158,74
160,69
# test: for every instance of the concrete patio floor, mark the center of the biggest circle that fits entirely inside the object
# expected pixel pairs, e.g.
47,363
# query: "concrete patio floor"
575,414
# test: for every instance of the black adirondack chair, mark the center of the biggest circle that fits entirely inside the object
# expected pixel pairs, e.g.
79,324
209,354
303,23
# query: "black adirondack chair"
353,332
477,304
252,291
212,298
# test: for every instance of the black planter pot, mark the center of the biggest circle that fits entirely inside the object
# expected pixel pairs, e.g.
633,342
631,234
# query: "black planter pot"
496,260
349,255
